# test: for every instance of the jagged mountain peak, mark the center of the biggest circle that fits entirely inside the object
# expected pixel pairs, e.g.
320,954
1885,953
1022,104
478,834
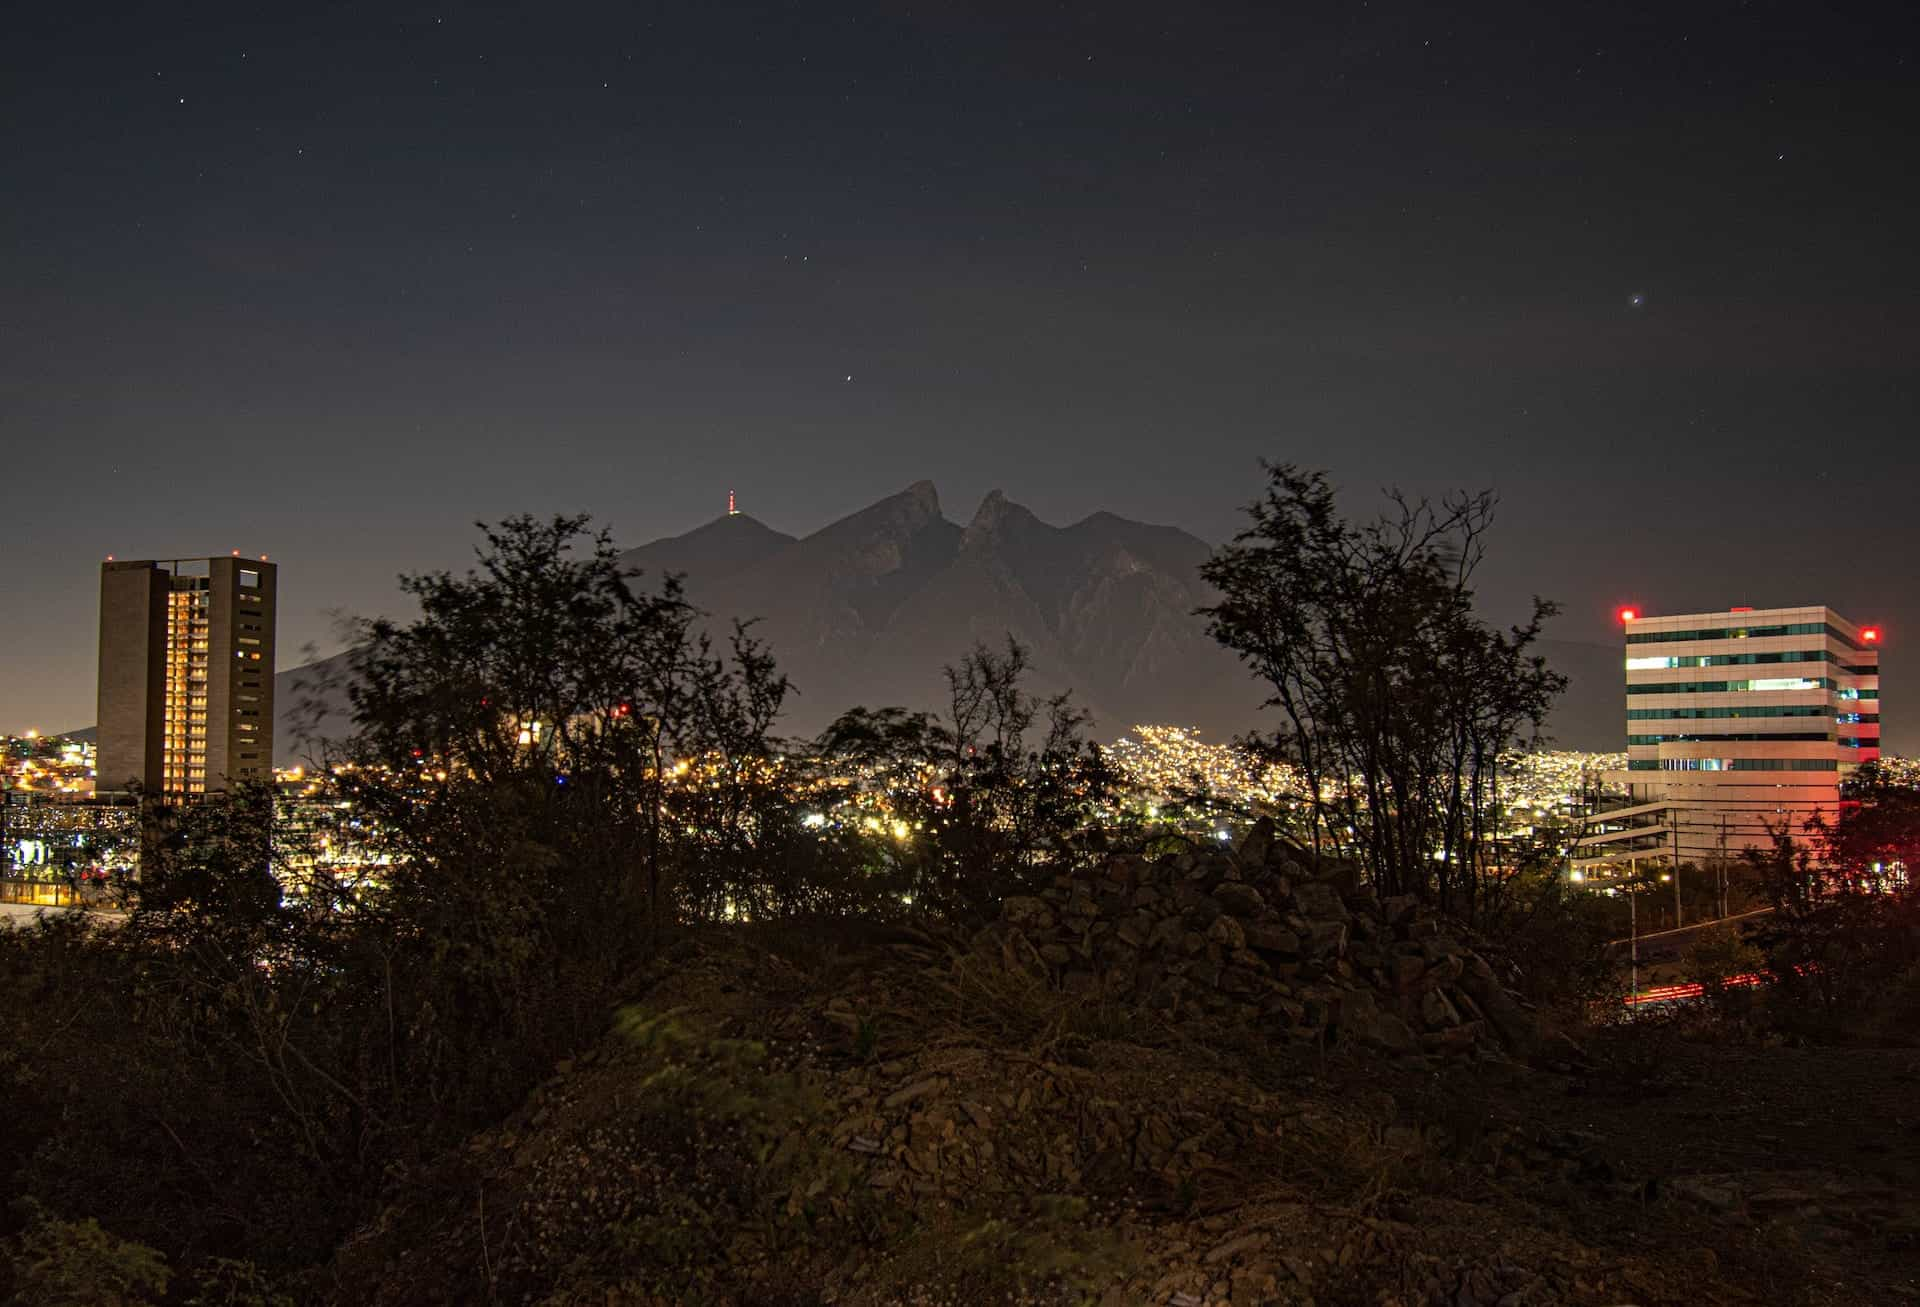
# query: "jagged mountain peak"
997,518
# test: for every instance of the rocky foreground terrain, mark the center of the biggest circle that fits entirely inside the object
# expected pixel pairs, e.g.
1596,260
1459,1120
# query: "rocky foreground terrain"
1218,1077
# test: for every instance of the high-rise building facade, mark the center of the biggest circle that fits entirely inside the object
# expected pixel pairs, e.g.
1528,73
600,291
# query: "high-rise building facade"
186,675
1738,723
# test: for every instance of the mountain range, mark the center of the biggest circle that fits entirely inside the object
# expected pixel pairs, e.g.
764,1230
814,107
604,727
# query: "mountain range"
869,609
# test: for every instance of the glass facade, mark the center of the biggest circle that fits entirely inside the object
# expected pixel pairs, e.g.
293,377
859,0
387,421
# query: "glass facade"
1733,764
1738,660
183,747
1744,633
1801,736
1715,687
1769,710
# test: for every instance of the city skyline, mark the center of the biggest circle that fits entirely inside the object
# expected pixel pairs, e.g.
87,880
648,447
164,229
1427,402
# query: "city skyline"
1579,704
390,271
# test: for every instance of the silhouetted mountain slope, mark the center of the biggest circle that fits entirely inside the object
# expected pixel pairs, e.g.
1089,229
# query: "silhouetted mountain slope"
869,609
718,549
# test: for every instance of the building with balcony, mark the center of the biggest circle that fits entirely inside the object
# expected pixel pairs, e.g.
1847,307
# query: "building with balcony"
186,675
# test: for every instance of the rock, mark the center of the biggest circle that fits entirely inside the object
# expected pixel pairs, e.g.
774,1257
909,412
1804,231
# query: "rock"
1708,1191
1325,939
1265,937
1517,1029
1227,933
1017,952
914,1092
1234,1247
1257,844
1318,900
1199,907
1437,1011
1239,899
1026,912
1287,1011
1406,971
1362,1020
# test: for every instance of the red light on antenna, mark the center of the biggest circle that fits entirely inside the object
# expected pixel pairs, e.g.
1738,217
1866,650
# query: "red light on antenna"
1629,614
1871,635
236,553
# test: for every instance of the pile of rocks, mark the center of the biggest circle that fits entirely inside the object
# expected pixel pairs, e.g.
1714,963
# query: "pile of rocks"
1265,934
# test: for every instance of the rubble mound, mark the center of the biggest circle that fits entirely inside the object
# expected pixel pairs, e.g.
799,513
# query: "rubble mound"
904,1125
1268,934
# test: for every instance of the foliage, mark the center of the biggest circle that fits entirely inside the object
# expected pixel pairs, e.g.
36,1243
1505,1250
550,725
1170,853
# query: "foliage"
1719,954
1001,793
1846,917
226,1282
1557,939
56,1263
1398,699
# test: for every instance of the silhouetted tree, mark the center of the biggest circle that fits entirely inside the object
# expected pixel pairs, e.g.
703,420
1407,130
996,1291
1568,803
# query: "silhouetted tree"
1001,792
1398,699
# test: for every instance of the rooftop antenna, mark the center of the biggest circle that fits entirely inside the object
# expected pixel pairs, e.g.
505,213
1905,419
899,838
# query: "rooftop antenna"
731,510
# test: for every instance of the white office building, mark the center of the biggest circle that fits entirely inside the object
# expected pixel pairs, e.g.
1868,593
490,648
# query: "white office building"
1738,722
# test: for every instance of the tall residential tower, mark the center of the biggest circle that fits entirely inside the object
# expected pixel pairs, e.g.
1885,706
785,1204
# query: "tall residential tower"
1738,722
186,675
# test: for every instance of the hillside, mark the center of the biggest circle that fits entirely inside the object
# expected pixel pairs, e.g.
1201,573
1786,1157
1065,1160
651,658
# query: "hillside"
795,1119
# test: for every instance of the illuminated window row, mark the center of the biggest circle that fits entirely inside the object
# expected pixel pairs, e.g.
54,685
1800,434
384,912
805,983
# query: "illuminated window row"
1798,737
1770,710
1716,687
1736,660
1733,764
1744,633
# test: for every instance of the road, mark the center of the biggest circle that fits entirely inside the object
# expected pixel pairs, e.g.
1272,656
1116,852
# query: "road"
1671,945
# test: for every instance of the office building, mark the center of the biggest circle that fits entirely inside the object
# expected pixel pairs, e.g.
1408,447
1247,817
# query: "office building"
1738,723
186,675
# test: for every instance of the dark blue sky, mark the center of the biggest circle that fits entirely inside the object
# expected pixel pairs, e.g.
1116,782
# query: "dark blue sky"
329,283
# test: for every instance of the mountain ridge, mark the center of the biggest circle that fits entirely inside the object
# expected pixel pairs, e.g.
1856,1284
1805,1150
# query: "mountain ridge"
869,608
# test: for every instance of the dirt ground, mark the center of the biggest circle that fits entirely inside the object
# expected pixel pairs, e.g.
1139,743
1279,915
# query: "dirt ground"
870,1125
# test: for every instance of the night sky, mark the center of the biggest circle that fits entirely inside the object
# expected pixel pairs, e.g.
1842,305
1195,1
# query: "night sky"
328,282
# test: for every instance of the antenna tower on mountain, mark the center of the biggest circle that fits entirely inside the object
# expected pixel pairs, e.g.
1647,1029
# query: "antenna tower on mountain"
731,510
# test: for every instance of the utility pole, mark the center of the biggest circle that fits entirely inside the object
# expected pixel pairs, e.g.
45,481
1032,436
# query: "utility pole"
1633,928
1723,864
1673,828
